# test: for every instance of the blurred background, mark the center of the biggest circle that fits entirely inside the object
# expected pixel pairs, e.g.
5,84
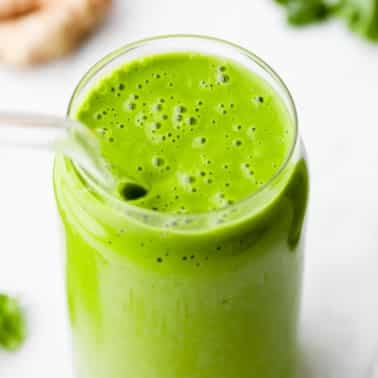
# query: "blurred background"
333,76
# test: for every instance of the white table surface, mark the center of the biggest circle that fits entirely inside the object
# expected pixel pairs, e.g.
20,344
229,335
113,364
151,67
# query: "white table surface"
334,79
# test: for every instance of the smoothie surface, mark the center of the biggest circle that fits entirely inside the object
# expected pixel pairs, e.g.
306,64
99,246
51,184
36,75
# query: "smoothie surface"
198,131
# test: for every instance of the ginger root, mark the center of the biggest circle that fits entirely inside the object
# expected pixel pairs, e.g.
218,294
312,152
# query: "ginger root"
14,8
36,31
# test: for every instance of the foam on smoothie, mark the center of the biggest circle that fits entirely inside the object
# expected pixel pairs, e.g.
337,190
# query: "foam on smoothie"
199,132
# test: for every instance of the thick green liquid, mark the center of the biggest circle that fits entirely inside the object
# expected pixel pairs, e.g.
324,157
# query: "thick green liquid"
222,301
199,131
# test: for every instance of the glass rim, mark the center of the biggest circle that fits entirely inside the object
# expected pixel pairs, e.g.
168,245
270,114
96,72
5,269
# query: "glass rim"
166,216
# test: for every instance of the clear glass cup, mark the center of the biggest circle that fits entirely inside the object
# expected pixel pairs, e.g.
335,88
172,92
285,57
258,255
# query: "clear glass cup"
233,312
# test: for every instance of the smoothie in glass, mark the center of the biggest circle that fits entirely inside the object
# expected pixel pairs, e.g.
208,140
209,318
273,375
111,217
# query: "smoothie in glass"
199,276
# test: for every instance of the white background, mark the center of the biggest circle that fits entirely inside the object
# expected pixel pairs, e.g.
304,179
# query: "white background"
334,78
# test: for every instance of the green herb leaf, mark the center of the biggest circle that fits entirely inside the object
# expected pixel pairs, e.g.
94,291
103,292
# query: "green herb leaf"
361,17
303,12
12,324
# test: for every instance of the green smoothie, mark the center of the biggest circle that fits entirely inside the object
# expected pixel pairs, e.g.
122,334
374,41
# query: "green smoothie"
199,276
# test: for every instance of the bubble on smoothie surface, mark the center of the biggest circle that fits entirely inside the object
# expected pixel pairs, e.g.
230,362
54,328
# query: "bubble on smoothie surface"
196,129
157,161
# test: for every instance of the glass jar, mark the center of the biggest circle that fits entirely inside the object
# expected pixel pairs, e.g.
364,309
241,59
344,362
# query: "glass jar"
208,295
